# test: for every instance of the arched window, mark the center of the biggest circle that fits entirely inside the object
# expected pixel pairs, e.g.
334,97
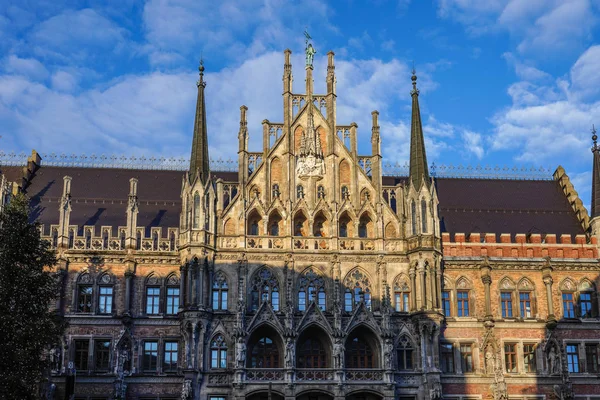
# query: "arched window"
358,289
321,192
85,292
219,291
264,288
299,192
507,294
275,191
359,350
275,221
196,216
54,237
152,295
345,193
265,354
587,301
300,224
402,295
413,217
568,289
71,237
319,223
526,296
311,288
463,297
254,220
218,353
122,239
311,354
345,224
405,354
362,229
423,216
365,226
172,293
105,294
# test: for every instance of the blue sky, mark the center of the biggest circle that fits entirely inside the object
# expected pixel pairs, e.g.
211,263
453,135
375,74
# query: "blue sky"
503,82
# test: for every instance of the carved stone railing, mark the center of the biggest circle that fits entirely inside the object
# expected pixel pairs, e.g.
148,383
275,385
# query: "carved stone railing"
314,243
364,375
357,244
408,379
255,159
98,239
264,375
316,374
364,162
219,379
423,241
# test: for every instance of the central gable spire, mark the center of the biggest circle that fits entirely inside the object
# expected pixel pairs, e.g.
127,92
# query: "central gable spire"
199,162
595,211
419,172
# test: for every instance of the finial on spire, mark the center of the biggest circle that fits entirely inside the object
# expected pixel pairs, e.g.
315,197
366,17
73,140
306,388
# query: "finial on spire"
309,49
201,69
414,81
594,138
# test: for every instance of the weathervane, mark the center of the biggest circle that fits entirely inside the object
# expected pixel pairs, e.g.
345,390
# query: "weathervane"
309,49
594,138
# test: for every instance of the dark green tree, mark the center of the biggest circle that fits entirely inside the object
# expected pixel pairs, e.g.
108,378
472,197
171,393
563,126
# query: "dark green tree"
29,326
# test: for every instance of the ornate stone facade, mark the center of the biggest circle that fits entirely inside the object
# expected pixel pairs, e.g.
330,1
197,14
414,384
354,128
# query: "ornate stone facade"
308,275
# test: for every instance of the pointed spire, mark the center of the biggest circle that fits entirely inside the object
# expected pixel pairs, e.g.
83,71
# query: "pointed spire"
199,159
419,173
595,176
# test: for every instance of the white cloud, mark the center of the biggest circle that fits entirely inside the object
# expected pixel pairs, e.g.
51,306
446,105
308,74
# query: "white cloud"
64,81
585,76
29,67
473,143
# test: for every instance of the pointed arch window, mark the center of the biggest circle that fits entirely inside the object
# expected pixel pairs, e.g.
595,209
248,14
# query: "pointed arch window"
196,216
122,239
463,298
54,237
220,292
265,354
362,229
105,294
413,217
587,300
526,296
321,192
405,354
264,288
312,354
311,288
358,289
85,292
172,294
152,295
402,296
299,192
423,216
359,351
218,353
345,193
275,191
507,289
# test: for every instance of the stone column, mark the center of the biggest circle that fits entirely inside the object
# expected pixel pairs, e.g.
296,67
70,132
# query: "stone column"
422,285
129,274
547,277
189,286
413,288
182,286
487,281
62,277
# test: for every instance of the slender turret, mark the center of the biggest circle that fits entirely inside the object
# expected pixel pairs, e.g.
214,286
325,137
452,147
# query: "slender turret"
595,211
418,158
199,159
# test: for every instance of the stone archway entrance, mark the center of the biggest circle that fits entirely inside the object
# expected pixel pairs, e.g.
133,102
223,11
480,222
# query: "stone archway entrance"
314,396
364,396
264,396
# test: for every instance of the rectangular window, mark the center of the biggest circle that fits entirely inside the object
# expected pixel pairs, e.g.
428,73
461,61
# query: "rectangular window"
591,358
302,300
447,358
405,300
405,359
466,357
525,304
568,305
152,300
172,300
462,298
529,357
275,300
102,355
217,398
506,302
585,305
347,301
446,303
170,358
572,358
82,351
510,357
84,298
321,301
150,360
223,300
105,299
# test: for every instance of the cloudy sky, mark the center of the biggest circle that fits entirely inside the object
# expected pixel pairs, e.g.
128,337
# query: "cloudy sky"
503,82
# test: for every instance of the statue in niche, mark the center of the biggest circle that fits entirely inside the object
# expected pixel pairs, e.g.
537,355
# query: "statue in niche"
240,353
338,353
55,358
489,362
186,390
553,361
289,353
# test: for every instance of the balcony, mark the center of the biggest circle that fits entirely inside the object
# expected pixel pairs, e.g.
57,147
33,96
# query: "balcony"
310,243
314,375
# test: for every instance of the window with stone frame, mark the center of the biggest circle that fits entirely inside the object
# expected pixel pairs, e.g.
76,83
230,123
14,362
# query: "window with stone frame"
413,217
311,287
311,353
196,211
402,294
447,358
170,355
507,290
591,358
466,357
526,296
299,192
423,216
275,191
264,288
321,192
587,300
359,351
345,193
573,357
405,354
464,290
220,291
510,358
358,289
102,355
85,294
172,295
568,289
105,295
264,353
218,352
446,308
529,359
152,298
150,356
81,354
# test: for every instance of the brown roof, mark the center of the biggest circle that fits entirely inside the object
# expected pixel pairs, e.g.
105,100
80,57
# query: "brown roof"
99,198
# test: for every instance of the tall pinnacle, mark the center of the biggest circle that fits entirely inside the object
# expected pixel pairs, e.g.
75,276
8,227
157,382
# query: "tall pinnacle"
595,176
199,159
419,173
